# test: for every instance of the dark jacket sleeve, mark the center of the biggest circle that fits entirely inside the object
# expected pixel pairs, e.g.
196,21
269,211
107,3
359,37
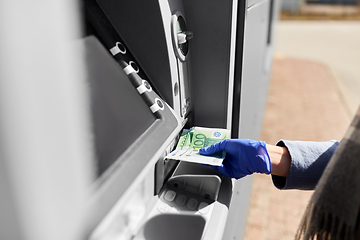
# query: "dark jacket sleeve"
308,161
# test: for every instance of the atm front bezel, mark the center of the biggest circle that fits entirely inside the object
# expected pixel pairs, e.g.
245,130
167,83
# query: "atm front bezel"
135,162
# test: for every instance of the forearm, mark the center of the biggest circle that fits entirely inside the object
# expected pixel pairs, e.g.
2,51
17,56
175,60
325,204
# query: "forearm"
308,161
280,160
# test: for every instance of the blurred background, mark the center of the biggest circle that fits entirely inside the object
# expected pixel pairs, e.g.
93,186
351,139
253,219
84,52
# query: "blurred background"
313,94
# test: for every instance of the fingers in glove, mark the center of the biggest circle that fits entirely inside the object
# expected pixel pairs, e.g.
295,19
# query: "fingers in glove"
215,148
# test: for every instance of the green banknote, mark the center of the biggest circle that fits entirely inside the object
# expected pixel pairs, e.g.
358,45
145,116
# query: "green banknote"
185,138
193,139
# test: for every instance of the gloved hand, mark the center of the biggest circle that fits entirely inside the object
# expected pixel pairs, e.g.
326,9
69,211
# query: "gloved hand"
243,157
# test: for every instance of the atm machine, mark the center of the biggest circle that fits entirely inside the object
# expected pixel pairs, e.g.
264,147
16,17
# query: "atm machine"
153,68
193,63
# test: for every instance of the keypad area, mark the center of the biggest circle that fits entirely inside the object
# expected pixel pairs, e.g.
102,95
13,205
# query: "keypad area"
179,200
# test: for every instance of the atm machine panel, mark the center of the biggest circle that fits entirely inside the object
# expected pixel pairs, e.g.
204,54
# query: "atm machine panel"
137,116
115,104
192,203
153,32
212,60
149,31
132,128
139,23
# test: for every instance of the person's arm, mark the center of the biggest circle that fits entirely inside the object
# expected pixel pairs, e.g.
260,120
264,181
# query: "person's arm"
280,160
246,156
308,162
292,164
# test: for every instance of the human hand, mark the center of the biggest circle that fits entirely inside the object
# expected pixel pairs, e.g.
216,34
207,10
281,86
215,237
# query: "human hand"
243,157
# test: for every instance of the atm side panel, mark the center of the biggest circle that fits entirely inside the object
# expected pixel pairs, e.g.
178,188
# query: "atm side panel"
259,17
210,53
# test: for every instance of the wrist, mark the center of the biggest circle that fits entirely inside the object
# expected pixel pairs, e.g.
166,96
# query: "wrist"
280,160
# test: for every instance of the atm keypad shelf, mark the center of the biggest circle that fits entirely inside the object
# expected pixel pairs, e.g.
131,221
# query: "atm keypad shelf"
185,208
177,201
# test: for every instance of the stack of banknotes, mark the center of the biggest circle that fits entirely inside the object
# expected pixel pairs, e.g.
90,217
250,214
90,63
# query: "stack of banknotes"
193,139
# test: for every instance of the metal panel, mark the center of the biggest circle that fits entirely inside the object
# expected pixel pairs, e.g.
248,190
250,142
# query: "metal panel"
238,209
210,60
140,157
44,123
255,75
140,25
253,69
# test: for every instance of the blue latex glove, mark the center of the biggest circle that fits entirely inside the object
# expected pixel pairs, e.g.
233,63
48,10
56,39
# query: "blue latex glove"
243,157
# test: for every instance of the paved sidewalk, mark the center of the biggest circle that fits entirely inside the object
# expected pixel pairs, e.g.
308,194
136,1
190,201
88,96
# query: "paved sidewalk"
333,43
303,104
330,9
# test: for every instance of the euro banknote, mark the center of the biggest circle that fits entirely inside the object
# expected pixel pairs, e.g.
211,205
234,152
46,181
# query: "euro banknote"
191,140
